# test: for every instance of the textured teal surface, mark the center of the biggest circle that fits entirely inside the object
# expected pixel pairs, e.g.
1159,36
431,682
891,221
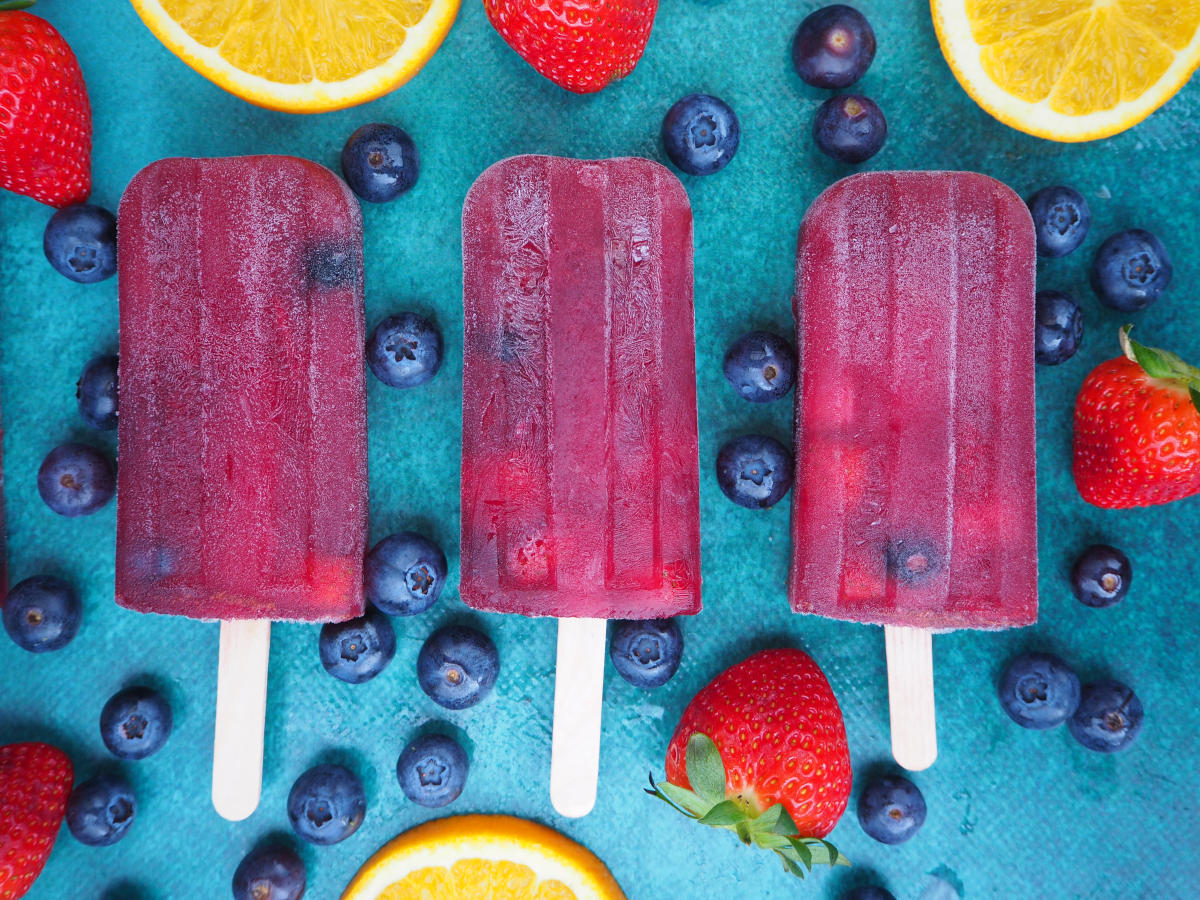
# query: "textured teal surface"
1011,813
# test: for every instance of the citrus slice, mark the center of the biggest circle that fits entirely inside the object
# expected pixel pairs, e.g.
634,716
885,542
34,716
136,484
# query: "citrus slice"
483,858
302,55
1070,70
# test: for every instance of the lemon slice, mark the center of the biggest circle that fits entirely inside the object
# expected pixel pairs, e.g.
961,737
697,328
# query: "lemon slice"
302,55
1070,70
483,858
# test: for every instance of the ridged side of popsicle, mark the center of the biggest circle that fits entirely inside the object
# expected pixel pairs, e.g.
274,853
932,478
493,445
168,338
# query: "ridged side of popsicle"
242,486
915,500
580,482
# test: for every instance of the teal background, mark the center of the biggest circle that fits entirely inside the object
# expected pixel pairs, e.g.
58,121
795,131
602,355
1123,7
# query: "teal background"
1011,813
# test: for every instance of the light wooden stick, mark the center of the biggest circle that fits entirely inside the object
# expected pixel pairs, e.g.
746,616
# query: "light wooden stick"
910,696
578,700
241,717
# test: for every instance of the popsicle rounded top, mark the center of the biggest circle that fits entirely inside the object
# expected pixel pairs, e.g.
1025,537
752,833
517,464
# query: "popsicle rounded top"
915,500
580,477
242,489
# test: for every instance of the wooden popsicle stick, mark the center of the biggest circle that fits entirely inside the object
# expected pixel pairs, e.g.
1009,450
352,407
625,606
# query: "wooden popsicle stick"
578,700
241,717
910,696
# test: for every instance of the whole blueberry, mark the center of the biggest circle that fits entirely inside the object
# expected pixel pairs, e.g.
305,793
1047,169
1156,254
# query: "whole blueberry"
76,480
1057,329
868,892
1130,270
404,350
457,666
850,128
754,470
1039,690
96,392
700,134
379,162
1060,220
833,47
81,242
404,574
1109,717
913,560
432,770
270,873
135,723
100,811
1101,576
646,652
42,613
358,650
761,366
891,809
326,804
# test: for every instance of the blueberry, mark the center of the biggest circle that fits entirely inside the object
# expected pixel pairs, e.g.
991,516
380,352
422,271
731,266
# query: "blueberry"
100,811
432,770
326,804
850,128
380,162
81,242
1039,690
646,652
404,574
891,809
913,560
42,613
1101,576
754,471
75,479
1130,270
457,666
96,392
1058,327
358,650
404,350
869,892
1060,220
700,134
833,47
135,723
1109,717
332,265
761,366
270,873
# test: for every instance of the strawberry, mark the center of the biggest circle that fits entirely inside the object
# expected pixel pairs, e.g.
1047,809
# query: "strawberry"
1137,429
762,751
580,45
35,781
45,120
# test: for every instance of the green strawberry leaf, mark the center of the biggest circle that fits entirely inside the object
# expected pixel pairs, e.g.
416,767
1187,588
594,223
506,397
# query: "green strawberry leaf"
770,841
1194,392
791,866
785,825
802,851
682,799
1157,363
725,813
742,830
769,820
15,4
705,770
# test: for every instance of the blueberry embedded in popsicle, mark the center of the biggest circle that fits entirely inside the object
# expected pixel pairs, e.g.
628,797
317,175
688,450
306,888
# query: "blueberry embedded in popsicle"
432,770
457,666
754,470
913,560
833,47
404,574
404,350
332,265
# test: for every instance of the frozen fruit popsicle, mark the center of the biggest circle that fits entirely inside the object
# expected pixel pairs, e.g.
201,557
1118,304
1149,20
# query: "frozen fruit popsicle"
579,474
242,487
915,505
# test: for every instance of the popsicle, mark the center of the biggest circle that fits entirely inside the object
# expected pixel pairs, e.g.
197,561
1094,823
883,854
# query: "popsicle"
580,482
242,488
915,502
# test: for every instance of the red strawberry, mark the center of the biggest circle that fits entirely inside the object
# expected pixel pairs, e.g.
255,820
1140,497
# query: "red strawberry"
580,45
35,781
762,751
1137,429
45,120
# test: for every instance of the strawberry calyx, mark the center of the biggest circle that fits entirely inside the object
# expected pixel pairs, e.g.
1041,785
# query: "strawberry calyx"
1162,364
771,829
15,4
